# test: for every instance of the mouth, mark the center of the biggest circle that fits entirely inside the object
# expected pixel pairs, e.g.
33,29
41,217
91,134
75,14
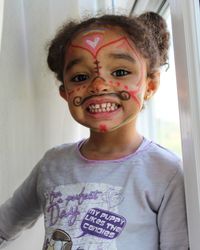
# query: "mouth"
106,107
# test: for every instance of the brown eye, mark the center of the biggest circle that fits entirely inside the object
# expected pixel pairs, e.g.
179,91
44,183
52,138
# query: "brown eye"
80,78
120,73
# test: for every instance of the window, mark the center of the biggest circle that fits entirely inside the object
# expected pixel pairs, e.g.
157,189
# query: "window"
166,105
160,119
186,33
1,19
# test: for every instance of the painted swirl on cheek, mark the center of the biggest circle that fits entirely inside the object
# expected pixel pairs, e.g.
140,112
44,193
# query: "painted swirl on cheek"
77,101
124,95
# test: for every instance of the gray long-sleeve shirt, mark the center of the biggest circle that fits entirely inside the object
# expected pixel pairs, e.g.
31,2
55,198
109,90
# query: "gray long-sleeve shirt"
135,202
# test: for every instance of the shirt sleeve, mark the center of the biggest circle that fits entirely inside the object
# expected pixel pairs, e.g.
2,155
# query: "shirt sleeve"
172,221
21,210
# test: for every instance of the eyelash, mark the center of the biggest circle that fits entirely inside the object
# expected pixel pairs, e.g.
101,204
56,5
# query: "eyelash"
120,73
79,78
117,73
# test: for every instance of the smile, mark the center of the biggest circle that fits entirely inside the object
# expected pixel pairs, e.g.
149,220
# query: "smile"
103,107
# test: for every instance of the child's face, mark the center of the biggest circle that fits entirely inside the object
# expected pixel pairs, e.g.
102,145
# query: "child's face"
105,79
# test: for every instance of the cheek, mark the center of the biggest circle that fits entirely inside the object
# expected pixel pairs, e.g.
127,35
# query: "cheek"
134,91
76,91
137,97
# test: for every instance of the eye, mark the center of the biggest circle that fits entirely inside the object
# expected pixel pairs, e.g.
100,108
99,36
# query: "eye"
79,78
120,73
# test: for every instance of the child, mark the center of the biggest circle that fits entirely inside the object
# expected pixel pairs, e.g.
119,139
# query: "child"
115,190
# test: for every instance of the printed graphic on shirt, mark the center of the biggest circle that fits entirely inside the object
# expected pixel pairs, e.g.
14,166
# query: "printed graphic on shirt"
85,214
59,236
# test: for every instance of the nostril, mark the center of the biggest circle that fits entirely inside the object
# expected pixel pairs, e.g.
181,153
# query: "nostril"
91,91
97,90
104,90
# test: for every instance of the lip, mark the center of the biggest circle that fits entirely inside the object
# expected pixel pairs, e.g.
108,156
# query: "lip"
104,115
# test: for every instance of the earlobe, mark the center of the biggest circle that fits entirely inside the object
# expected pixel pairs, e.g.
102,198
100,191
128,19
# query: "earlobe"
153,83
63,93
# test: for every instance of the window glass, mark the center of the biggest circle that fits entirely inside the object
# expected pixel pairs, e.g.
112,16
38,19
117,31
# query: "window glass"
1,19
160,119
166,105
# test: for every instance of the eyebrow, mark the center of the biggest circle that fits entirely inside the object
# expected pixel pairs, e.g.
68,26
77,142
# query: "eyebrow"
122,56
72,63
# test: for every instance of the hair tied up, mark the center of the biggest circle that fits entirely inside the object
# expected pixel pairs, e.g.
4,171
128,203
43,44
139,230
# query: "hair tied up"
157,27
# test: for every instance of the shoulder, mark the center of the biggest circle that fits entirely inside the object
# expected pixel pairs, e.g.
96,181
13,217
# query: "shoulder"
56,165
61,150
58,157
160,163
156,153
160,171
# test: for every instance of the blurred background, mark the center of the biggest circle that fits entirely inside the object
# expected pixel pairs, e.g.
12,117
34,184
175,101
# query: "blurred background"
33,117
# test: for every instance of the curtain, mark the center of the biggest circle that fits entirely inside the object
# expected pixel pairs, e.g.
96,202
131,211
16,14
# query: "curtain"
33,117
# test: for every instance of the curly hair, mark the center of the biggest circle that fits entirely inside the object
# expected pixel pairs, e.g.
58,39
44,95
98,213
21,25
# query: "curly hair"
147,31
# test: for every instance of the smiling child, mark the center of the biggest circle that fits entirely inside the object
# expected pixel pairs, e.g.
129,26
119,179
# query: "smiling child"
115,189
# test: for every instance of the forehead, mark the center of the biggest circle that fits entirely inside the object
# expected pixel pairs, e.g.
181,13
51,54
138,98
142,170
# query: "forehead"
106,33
96,40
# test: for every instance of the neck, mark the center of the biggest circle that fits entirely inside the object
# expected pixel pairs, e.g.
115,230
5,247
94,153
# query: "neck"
112,145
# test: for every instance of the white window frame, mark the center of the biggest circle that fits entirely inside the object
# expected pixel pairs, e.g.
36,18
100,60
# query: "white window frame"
186,34
1,19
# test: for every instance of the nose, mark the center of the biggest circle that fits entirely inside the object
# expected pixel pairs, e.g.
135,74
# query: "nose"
98,85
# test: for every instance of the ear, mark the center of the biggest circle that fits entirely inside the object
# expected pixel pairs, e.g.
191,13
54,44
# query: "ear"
63,93
153,82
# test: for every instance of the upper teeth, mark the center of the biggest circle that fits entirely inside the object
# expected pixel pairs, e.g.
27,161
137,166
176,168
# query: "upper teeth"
103,107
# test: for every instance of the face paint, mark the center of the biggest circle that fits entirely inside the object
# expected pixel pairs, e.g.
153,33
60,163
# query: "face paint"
97,67
135,97
70,92
103,128
126,87
123,95
93,44
96,30
99,59
133,93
